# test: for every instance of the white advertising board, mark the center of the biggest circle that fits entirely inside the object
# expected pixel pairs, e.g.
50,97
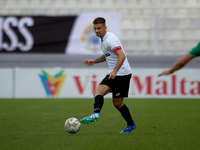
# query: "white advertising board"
184,83
57,82
6,83
81,83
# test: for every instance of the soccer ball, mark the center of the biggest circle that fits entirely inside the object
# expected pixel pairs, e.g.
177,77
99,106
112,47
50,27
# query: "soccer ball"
72,125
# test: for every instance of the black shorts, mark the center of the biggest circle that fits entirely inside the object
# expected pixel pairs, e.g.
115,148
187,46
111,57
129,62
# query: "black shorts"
119,86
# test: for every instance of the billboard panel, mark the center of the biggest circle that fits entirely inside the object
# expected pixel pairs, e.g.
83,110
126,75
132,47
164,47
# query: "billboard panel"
34,34
81,83
6,83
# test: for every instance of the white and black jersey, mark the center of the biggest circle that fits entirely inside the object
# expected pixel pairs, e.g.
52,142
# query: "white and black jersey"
110,44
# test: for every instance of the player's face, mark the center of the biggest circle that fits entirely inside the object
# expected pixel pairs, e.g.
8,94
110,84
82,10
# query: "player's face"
100,29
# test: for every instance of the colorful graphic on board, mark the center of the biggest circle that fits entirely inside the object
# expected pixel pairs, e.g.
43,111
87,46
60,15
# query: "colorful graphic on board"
52,84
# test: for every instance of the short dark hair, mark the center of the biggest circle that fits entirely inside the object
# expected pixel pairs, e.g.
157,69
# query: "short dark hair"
99,20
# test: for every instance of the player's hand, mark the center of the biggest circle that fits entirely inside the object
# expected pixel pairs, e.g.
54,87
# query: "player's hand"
165,72
89,62
112,75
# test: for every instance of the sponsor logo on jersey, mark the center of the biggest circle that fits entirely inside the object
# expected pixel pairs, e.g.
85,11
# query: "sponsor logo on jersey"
107,54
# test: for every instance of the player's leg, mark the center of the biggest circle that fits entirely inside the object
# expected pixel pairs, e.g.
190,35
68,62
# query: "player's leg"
120,90
123,109
99,93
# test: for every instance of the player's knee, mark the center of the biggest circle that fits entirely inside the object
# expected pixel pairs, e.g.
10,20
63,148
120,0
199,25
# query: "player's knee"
96,93
117,104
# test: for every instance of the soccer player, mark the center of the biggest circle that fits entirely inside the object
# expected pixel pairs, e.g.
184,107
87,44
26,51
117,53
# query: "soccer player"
116,81
194,52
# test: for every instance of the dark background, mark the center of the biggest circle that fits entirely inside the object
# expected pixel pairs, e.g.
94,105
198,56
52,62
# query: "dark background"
50,34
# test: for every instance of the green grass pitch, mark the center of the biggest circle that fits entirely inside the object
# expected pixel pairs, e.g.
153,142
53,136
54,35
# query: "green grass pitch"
38,124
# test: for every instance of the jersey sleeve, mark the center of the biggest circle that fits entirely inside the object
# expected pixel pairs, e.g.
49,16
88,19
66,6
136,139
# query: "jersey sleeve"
195,51
114,45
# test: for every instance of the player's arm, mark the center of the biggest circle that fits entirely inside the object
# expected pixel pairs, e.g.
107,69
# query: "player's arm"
100,59
91,62
120,61
177,65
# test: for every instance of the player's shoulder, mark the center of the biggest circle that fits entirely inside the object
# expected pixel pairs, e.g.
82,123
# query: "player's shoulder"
111,36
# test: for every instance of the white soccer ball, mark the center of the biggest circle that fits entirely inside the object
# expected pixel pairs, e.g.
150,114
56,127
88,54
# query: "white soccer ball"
72,125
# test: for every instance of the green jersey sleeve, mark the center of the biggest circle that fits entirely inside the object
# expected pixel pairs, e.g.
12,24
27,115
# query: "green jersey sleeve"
195,51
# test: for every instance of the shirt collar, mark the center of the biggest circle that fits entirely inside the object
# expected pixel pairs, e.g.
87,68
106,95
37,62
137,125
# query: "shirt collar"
104,37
